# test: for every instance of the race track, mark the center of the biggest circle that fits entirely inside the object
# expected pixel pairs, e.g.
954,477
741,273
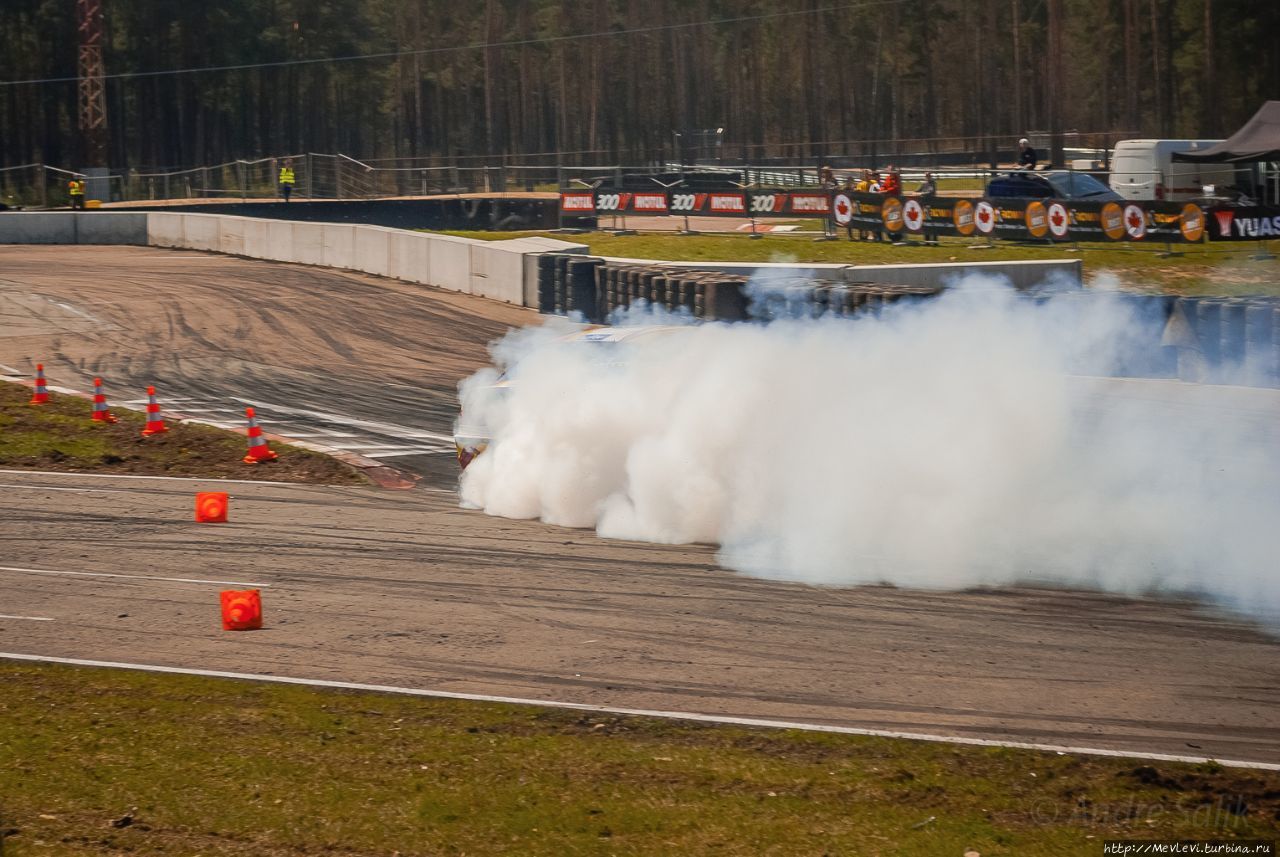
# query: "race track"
343,359
404,588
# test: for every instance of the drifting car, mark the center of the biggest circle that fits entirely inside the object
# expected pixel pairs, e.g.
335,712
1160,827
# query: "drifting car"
471,437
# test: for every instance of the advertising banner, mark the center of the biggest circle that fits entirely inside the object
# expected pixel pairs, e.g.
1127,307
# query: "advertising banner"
744,203
1252,223
1031,219
1048,220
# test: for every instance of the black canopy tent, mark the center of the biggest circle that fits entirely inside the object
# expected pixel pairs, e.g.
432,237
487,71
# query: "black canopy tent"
1258,140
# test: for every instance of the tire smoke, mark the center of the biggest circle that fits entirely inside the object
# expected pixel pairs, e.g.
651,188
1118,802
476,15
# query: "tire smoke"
970,440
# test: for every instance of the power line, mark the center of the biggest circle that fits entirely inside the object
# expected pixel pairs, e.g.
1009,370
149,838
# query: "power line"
128,75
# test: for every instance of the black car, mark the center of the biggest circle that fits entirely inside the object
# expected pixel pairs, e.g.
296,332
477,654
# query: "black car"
1053,184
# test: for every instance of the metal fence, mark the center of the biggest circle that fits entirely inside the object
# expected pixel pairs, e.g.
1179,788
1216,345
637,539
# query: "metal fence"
338,176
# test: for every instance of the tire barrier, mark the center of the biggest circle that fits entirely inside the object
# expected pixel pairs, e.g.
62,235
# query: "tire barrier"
546,283
1201,339
594,289
1229,340
580,286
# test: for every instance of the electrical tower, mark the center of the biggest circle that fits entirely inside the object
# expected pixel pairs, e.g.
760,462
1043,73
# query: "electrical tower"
93,87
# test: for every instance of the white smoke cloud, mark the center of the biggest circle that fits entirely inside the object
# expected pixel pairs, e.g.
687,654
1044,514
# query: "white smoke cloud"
963,441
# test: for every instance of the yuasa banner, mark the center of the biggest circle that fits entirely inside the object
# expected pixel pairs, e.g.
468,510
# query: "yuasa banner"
1253,223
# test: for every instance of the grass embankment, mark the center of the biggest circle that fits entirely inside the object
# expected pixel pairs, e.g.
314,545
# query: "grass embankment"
100,761
1203,269
60,435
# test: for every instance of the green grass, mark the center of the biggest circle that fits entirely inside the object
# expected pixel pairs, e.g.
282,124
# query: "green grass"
1217,269
221,767
61,435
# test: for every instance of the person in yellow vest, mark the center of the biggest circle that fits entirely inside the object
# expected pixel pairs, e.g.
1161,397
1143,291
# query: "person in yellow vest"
286,179
75,190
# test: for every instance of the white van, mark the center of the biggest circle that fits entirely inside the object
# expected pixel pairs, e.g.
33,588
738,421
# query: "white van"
1146,170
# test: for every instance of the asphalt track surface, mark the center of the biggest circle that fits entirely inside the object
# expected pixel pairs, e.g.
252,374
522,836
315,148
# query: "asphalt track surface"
404,588
341,359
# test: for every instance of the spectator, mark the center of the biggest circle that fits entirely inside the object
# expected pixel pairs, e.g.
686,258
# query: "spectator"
75,190
891,185
928,188
1027,156
286,179
866,184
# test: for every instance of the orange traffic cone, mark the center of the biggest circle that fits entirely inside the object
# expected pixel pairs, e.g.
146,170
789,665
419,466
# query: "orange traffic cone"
211,507
241,609
258,449
155,423
41,395
100,412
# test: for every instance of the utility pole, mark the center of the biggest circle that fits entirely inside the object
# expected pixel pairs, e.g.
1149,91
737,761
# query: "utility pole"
1056,87
93,94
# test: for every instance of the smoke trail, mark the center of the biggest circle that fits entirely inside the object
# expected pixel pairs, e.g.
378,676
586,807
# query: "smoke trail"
969,440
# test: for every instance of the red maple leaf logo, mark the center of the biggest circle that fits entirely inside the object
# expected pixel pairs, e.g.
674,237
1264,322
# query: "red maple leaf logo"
842,207
1057,218
984,215
1135,220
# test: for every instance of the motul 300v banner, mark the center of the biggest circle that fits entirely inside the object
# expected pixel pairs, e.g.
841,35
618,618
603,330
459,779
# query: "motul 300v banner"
730,203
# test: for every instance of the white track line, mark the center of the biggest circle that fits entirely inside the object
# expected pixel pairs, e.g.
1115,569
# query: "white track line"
73,490
134,577
10,369
170,478
391,429
411,452
668,715
28,618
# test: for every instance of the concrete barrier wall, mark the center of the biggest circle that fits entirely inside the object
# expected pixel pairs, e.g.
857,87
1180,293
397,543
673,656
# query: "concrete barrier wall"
339,246
1022,274
279,241
201,232
409,256
164,230
498,269
67,227
116,228
372,252
22,227
307,245
257,238
231,235
449,265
